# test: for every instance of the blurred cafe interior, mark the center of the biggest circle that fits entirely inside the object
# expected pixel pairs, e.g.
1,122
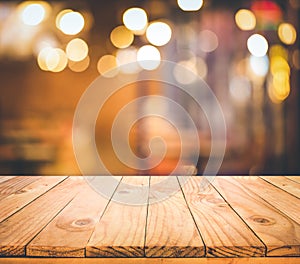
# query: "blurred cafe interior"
246,51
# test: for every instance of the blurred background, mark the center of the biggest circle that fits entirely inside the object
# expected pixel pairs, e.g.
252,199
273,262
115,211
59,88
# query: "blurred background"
246,51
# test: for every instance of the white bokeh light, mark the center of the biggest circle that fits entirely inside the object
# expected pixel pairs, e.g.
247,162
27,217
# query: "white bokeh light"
190,5
257,45
148,57
33,14
159,33
135,19
259,65
71,23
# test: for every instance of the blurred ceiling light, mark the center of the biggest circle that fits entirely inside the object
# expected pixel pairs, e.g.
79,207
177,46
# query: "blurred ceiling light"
158,33
127,60
287,33
56,60
108,66
281,86
278,50
52,59
79,66
245,19
148,57
121,37
259,65
60,15
240,89
257,45
185,72
208,41
33,13
70,22
42,56
135,19
190,5
77,49
279,64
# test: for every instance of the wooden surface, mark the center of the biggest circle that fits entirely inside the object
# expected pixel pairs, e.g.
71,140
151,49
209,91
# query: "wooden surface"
250,219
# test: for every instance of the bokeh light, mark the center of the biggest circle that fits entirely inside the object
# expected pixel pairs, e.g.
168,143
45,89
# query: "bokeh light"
148,57
287,33
79,66
158,33
185,72
281,85
240,89
245,19
259,65
257,45
70,22
33,13
208,41
279,64
135,19
278,50
77,49
42,56
52,59
59,61
121,37
127,60
108,66
190,5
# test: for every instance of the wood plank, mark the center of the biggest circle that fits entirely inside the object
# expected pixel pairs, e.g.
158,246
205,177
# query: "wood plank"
6,178
24,196
294,178
19,229
284,183
280,199
278,260
223,232
15,184
121,230
171,231
280,234
68,233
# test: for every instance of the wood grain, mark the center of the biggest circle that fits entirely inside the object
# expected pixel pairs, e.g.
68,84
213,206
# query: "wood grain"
24,196
6,178
171,231
223,232
15,184
294,178
20,228
289,260
280,234
280,199
68,233
121,230
284,183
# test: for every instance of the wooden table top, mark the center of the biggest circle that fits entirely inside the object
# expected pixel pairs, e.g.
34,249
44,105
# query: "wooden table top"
61,216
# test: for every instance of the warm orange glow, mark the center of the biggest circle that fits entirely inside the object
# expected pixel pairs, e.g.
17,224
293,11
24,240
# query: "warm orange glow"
245,19
121,37
108,66
77,49
79,66
287,33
